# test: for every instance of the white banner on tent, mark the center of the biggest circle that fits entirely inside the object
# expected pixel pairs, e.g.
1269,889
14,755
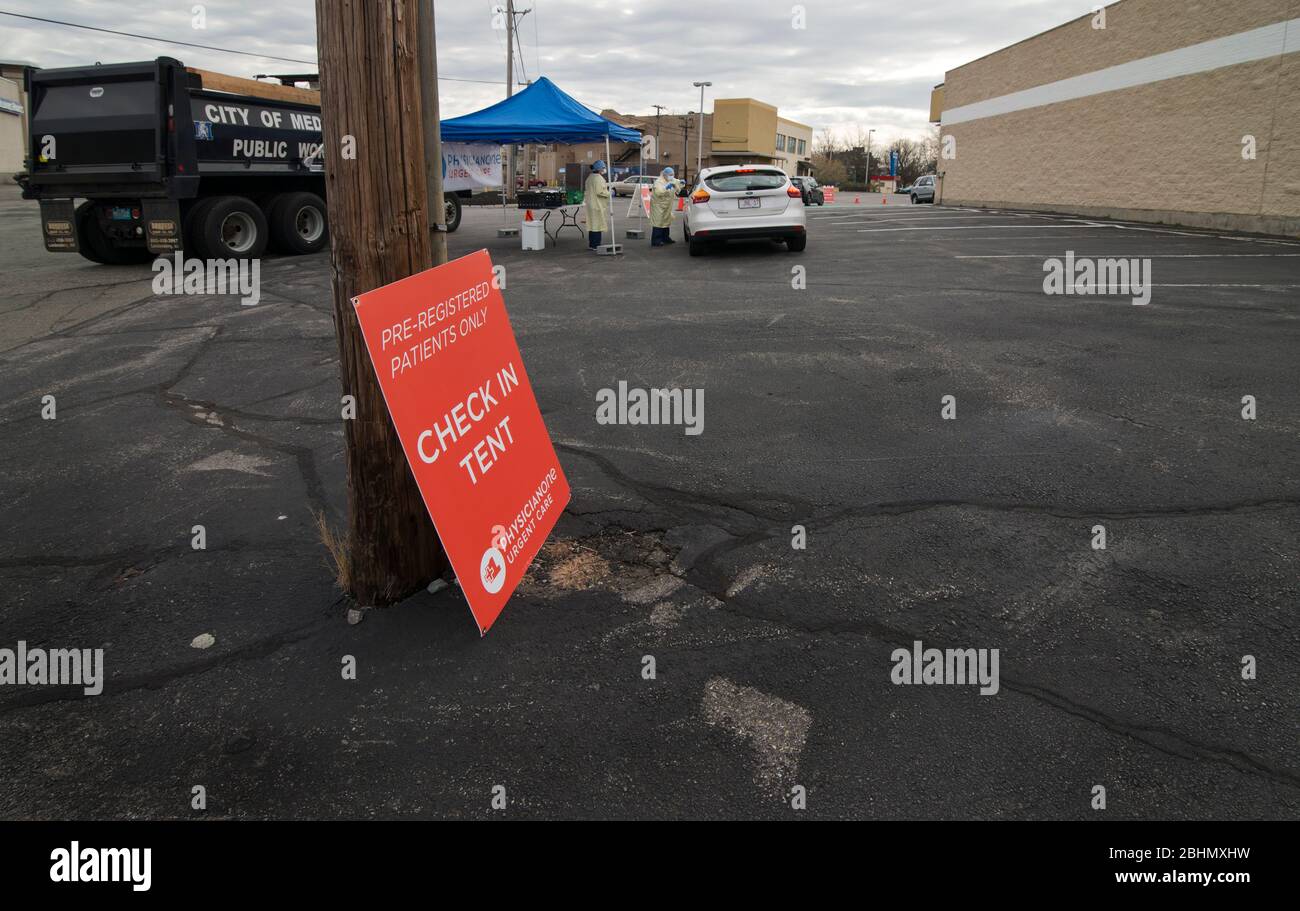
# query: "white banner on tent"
470,166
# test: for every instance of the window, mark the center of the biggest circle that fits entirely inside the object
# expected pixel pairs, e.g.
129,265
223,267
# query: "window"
746,179
780,142
803,146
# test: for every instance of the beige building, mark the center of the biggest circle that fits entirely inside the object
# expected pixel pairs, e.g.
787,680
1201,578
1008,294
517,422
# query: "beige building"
13,118
747,131
744,132
1170,111
793,146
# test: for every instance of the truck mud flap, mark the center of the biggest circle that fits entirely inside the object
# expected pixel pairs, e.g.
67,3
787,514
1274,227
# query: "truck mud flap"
162,225
59,225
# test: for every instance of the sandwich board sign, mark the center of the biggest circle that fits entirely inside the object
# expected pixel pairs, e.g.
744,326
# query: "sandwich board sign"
456,389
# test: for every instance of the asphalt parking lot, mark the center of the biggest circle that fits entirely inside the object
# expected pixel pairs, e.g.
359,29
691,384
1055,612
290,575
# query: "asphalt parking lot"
823,408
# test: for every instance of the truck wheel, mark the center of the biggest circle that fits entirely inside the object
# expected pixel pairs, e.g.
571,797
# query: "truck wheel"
86,245
230,227
96,247
190,225
452,216
298,223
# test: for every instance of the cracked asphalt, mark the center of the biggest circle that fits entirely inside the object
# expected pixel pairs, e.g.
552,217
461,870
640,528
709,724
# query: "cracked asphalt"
1119,667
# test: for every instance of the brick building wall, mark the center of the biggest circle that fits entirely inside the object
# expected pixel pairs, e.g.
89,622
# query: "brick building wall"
1144,119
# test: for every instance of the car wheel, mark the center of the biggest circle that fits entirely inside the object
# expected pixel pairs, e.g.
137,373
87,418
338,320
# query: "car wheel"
697,247
453,211
298,224
796,244
914,202
231,226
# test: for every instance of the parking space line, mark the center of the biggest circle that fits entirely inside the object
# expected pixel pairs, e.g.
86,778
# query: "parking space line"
1079,226
1140,256
886,221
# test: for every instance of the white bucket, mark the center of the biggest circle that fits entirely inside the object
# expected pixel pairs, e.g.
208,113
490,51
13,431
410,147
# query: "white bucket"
532,235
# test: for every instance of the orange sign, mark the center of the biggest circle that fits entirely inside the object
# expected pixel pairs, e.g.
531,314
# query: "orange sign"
455,385
645,199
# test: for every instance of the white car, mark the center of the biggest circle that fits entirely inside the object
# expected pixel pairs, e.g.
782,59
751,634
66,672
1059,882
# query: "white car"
631,185
736,202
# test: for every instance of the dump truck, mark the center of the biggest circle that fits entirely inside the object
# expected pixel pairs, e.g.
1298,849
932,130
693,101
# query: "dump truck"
133,160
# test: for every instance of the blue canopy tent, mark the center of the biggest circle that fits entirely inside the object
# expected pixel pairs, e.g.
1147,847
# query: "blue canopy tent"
541,113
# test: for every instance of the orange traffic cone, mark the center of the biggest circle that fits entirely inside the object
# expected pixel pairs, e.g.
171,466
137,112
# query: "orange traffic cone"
681,204
528,214
884,200
857,200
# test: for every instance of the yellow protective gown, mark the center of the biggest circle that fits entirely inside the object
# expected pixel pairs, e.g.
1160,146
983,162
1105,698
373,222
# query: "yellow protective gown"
595,195
662,199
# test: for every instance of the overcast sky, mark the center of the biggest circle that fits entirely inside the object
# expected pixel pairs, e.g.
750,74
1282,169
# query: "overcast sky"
856,64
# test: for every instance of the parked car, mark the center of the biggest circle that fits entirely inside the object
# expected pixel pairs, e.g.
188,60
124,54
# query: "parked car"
534,182
631,185
923,191
905,191
812,191
736,202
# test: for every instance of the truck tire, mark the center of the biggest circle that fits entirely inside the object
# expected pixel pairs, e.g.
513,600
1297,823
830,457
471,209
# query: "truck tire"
298,223
227,227
452,216
94,246
189,226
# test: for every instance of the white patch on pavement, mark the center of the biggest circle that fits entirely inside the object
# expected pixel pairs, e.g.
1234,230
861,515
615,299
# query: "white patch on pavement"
233,461
776,729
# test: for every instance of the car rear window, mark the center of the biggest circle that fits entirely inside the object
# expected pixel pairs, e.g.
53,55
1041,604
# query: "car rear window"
745,179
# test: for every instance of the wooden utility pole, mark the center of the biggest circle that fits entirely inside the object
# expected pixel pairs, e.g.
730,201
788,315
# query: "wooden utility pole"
432,132
379,233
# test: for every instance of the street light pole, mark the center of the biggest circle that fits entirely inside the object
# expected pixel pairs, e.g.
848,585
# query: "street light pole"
699,155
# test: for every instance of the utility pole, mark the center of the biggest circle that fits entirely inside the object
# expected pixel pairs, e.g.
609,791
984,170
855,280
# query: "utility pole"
432,132
510,87
870,133
659,109
686,144
379,233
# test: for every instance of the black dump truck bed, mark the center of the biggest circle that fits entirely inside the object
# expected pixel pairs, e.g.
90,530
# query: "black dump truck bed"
167,157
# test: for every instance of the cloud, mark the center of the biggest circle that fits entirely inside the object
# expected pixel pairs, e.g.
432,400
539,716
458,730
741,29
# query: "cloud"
856,64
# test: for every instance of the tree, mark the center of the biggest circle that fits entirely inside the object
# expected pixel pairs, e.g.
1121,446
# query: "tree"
828,170
379,233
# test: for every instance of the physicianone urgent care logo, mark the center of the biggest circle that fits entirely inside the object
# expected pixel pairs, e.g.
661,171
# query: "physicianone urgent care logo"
455,385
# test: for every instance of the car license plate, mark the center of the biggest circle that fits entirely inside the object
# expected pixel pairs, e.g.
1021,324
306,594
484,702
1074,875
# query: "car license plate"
749,203
121,214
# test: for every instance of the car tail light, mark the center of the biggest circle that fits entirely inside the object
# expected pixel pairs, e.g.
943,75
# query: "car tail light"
794,192
700,196
745,171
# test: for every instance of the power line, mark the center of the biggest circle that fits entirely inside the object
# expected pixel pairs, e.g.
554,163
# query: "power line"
109,31
206,47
